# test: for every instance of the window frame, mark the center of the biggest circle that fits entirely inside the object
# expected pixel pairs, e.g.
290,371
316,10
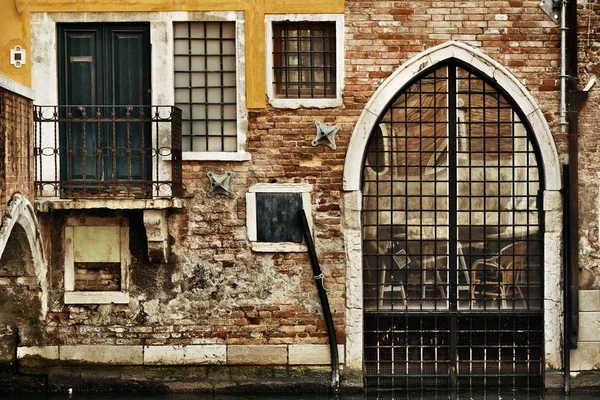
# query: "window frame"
294,103
240,153
304,189
72,296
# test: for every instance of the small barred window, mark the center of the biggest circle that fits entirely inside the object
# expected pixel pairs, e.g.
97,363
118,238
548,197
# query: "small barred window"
304,60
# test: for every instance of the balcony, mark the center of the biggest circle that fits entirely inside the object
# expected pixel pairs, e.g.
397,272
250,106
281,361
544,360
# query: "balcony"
107,153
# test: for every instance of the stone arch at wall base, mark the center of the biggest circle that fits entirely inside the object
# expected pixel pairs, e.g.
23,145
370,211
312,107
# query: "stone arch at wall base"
552,200
20,219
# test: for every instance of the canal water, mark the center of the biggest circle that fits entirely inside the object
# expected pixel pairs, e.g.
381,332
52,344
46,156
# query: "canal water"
307,396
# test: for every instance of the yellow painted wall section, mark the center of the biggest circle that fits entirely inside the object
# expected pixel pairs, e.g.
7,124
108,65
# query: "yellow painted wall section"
15,27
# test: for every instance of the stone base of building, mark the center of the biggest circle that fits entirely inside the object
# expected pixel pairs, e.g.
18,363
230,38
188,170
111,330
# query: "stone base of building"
202,379
584,381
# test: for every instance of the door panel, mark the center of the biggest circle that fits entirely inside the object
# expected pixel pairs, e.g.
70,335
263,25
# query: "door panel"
127,50
81,72
107,66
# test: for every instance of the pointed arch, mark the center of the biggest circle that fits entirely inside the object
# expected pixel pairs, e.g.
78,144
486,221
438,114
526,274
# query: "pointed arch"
19,223
552,198
483,64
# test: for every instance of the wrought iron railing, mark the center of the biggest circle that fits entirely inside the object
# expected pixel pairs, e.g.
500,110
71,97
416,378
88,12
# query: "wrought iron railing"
107,151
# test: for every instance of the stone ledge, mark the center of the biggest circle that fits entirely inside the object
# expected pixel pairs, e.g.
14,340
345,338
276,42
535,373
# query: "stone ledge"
44,352
185,355
102,354
210,354
96,298
46,204
257,354
312,354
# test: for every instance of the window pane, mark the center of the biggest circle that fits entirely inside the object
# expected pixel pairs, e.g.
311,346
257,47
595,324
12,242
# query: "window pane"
304,64
207,63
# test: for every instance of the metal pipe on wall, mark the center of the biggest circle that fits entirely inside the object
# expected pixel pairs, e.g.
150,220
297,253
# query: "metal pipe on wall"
318,276
574,103
563,73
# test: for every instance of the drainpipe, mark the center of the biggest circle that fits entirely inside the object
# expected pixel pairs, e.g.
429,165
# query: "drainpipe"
575,100
562,112
318,275
566,283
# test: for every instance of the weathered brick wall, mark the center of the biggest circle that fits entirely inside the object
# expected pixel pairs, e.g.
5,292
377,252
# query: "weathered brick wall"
16,147
215,289
589,121
587,355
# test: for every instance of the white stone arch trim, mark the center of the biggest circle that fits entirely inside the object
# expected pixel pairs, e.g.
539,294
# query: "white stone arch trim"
20,211
552,200
480,62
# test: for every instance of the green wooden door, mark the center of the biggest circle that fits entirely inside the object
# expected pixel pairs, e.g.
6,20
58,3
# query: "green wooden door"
104,86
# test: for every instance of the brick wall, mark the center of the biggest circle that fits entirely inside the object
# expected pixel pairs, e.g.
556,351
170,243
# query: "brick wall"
215,289
586,357
16,147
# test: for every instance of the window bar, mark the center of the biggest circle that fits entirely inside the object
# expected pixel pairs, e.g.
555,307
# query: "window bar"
515,183
299,64
99,149
222,88
128,130
470,186
325,45
56,155
420,169
113,147
285,39
190,86
142,153
155,188
84,150
206,80
312,55
405,170
484,199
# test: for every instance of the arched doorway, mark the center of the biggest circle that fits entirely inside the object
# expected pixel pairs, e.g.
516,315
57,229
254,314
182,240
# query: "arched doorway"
452,239
539,134
23,288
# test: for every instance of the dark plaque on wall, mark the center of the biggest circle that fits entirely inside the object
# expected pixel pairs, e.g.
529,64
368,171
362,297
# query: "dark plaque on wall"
277,218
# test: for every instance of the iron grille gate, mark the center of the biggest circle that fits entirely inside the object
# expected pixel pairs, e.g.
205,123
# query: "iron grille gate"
452,239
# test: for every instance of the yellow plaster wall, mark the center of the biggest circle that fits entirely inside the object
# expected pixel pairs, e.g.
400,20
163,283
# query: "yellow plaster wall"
15,27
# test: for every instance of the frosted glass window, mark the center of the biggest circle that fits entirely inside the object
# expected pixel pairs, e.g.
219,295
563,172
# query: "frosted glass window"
206,84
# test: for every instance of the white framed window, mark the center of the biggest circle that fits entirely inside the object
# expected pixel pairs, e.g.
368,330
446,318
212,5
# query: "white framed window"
272,217
209,85
96,261
305,60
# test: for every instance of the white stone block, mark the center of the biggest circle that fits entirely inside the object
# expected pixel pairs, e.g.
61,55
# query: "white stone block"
589,326
46,352
257,354
586,357
185,355
312,354
102,354
589,300
552,200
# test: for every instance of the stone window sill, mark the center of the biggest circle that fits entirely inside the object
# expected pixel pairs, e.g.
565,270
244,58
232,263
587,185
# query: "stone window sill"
96,298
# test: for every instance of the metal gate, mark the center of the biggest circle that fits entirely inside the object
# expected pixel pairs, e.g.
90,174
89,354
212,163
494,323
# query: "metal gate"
452,239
